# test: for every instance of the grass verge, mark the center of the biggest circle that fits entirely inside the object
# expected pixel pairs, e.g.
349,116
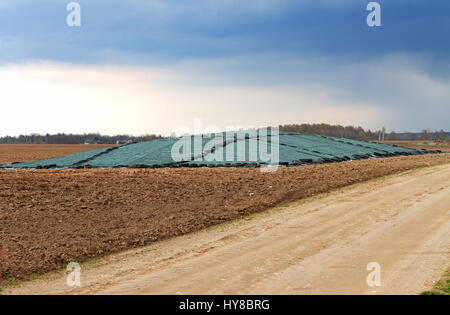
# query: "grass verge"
442,287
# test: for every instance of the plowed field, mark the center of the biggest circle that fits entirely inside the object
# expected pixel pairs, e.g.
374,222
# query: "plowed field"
420,144
52,217
32,152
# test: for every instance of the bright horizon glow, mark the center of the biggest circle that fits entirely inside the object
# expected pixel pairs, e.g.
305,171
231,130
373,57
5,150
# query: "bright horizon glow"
48,97
51,98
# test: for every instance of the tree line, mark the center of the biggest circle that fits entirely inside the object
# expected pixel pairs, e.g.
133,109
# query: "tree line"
62,138
350,132
358,133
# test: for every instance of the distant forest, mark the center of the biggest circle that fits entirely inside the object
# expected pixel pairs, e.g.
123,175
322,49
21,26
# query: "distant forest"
62,138
350,132
358,133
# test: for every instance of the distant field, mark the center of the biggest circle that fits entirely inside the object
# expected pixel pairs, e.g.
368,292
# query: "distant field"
420,144
32,152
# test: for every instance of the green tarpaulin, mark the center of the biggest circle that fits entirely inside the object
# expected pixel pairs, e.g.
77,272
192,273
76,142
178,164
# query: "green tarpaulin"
242,149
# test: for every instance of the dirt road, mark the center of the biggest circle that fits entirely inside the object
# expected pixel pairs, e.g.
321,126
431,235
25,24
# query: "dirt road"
320,245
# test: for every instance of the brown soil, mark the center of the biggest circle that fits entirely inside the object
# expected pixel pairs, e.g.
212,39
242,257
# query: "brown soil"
51,217
320,245
420,144
32,152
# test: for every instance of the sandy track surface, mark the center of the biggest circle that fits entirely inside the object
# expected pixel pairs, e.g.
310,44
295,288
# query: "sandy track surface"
321,245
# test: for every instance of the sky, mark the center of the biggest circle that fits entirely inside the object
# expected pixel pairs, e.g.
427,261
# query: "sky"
139,67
